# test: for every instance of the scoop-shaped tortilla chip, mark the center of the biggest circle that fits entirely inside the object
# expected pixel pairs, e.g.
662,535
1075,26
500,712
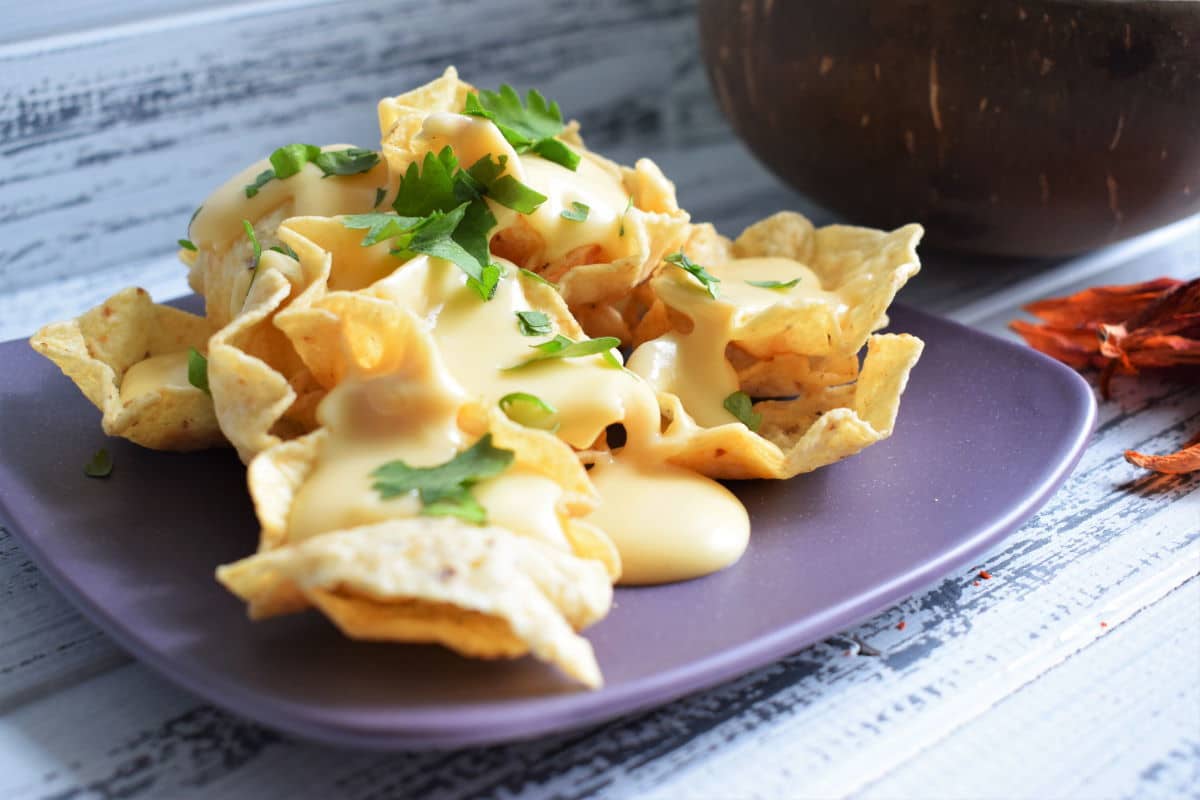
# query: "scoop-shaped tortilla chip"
482,591
863,266
262,391
631,220
129,336
820,427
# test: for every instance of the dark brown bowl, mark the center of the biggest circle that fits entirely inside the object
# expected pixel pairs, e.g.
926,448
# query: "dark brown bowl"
1037,128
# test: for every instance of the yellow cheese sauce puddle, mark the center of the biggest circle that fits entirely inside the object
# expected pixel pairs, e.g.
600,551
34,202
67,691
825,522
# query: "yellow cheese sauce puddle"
154,373
668,523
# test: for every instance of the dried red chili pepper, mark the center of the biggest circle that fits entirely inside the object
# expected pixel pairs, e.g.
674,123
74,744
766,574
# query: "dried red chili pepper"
1124,330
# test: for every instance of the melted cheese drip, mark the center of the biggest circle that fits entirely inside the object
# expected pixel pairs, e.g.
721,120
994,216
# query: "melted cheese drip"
472,138
371,421
155,373
692,365
308,192
668,523
477,339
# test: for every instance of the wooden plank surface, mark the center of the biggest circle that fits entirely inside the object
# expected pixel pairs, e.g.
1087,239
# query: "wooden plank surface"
110,133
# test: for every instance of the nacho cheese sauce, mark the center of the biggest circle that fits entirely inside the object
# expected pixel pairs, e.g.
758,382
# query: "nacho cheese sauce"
155,373
218,224
373,420
667,523
693,365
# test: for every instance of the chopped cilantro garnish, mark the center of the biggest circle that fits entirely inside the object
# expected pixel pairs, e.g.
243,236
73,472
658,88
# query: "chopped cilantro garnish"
445,489
534,276
288,160
380,193
529,410
487,284
741,406
528,127
533,323
578,212
187,244
621,228
261,180
257,255
287,250
379,225
291,158
707,279
195,214
246,226
351,161
198,370
100,466
775,284
562,347
440,211
428,186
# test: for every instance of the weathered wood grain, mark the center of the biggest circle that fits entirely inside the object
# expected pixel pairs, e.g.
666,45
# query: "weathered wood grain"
110,145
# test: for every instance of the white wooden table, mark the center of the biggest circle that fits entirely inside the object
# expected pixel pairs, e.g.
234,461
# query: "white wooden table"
1073,672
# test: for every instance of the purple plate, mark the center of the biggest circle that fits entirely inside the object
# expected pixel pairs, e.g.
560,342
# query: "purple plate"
987,431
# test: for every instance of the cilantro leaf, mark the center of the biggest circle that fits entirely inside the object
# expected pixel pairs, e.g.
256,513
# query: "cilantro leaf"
535,277
288,160
291,158
379,226
428,187
380,193
187,244
529,410
533,323
741,406
454,503
246,226
257,255
444,489
629,205
287,250
707,279
578,212
489,281
434,237
504,189
198,370
774,284
351,161
100,466
263,178
528,127
562,347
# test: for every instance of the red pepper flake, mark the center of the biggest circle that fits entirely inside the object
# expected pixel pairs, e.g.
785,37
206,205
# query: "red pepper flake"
1103,624
983,573
901,625
976,583
846,653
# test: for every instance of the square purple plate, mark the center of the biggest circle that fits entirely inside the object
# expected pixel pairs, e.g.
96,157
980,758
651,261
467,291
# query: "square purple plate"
987,431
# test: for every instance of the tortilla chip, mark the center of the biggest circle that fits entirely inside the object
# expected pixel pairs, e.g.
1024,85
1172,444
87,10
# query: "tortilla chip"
865,266
482,591
808,432
97,349
261,388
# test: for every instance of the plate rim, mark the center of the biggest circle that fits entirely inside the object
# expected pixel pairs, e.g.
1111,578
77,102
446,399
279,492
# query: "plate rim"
509,720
